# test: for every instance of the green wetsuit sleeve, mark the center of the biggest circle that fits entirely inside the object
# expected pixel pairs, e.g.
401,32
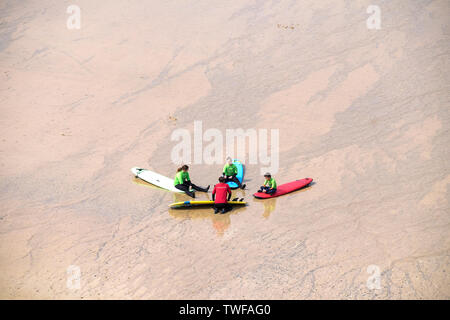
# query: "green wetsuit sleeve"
177,179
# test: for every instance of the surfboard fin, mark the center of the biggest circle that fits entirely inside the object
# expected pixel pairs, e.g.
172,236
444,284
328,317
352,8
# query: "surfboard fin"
242,199
235,199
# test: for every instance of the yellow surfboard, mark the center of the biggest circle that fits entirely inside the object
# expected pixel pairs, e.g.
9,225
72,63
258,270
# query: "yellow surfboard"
185,204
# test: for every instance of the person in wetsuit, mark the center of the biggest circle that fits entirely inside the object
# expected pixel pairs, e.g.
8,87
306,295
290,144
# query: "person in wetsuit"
219,196
230,171
270,185
182,182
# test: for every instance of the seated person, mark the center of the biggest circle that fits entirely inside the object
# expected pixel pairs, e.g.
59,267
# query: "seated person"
270,185
229,173
183,182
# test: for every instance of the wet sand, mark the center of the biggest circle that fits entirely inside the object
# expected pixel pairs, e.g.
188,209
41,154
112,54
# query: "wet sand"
363,112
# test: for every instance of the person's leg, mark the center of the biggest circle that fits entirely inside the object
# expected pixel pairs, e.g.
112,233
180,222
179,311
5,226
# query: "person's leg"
227,207
199,188
271,191
218,207
185,188
236,180
182,187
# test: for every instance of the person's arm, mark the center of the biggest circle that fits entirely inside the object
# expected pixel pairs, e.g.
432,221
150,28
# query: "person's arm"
229,192
274,184
176,180
224,170
187,176
263,187
214,193
235,170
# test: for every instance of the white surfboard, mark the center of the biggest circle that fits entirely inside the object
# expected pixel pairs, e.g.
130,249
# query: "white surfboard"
155,178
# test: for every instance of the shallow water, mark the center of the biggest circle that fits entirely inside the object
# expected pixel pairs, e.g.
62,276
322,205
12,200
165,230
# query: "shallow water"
363,112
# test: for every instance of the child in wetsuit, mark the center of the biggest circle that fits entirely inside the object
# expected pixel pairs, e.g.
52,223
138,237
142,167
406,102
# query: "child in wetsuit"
270,185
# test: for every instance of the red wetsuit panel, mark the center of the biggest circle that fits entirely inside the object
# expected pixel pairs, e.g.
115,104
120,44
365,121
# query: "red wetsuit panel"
221,191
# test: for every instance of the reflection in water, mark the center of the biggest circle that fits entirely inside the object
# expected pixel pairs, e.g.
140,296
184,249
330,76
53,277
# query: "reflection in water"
220,222
269,206
146,184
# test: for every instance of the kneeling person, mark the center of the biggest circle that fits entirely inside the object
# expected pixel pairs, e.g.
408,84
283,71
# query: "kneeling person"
219,196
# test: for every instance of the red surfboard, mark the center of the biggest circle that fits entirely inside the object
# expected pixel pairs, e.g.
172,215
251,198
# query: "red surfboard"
285,188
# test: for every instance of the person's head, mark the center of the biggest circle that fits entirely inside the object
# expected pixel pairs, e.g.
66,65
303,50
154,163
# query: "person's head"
183,168
221,179
229,160
267,176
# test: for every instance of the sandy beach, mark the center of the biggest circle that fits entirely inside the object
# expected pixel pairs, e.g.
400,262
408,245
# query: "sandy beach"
364,112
